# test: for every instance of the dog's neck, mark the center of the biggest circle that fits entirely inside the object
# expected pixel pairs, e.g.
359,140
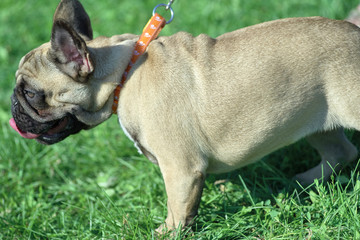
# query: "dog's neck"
110,57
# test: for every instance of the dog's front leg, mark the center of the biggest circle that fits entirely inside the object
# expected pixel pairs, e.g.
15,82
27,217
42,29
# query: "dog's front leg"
184,185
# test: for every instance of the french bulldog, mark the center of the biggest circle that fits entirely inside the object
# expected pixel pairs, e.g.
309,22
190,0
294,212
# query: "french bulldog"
198,105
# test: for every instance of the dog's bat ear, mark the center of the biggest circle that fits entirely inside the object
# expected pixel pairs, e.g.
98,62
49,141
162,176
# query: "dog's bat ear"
74,13
69,51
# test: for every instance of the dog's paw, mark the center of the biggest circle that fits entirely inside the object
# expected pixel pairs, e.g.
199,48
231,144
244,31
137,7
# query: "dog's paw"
304,179
163,231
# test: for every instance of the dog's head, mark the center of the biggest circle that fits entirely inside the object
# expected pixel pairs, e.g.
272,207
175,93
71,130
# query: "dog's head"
57,93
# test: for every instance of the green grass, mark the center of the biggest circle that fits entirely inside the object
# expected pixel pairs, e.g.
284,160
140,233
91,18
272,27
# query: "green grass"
95,186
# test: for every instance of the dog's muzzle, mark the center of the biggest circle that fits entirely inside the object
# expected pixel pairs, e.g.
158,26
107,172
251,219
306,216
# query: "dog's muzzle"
44,132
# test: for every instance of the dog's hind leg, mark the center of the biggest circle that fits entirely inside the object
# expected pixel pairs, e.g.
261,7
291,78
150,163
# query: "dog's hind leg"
335,150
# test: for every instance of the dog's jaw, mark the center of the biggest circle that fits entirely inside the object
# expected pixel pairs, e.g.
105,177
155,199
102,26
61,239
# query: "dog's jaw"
58,132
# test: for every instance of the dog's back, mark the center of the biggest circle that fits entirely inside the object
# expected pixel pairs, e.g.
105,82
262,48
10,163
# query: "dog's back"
257,89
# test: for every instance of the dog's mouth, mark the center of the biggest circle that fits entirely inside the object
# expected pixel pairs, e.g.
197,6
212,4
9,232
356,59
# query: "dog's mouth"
56,132
48,132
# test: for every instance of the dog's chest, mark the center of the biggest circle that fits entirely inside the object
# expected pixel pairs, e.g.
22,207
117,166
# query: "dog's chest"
139,147
136,143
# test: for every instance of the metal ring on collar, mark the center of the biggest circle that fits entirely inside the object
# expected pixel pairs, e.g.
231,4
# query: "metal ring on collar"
168,7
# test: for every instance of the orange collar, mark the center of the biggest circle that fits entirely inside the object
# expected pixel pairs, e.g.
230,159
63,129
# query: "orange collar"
150,32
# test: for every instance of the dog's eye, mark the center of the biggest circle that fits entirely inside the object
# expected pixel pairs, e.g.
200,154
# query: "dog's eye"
29,94
35,98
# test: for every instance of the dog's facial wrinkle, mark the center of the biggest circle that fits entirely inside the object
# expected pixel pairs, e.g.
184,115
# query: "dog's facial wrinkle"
21,108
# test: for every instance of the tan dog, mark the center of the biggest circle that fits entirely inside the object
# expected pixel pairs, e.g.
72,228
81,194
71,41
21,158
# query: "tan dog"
197,105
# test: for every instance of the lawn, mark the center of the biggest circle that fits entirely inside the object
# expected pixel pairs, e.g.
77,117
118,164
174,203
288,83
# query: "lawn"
95,185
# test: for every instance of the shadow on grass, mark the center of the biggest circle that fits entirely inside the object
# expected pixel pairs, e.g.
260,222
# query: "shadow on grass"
247,198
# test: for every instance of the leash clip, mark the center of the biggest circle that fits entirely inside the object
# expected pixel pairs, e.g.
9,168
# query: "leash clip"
167,7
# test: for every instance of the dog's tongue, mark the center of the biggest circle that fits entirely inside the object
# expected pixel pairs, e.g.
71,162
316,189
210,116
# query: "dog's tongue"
23,134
